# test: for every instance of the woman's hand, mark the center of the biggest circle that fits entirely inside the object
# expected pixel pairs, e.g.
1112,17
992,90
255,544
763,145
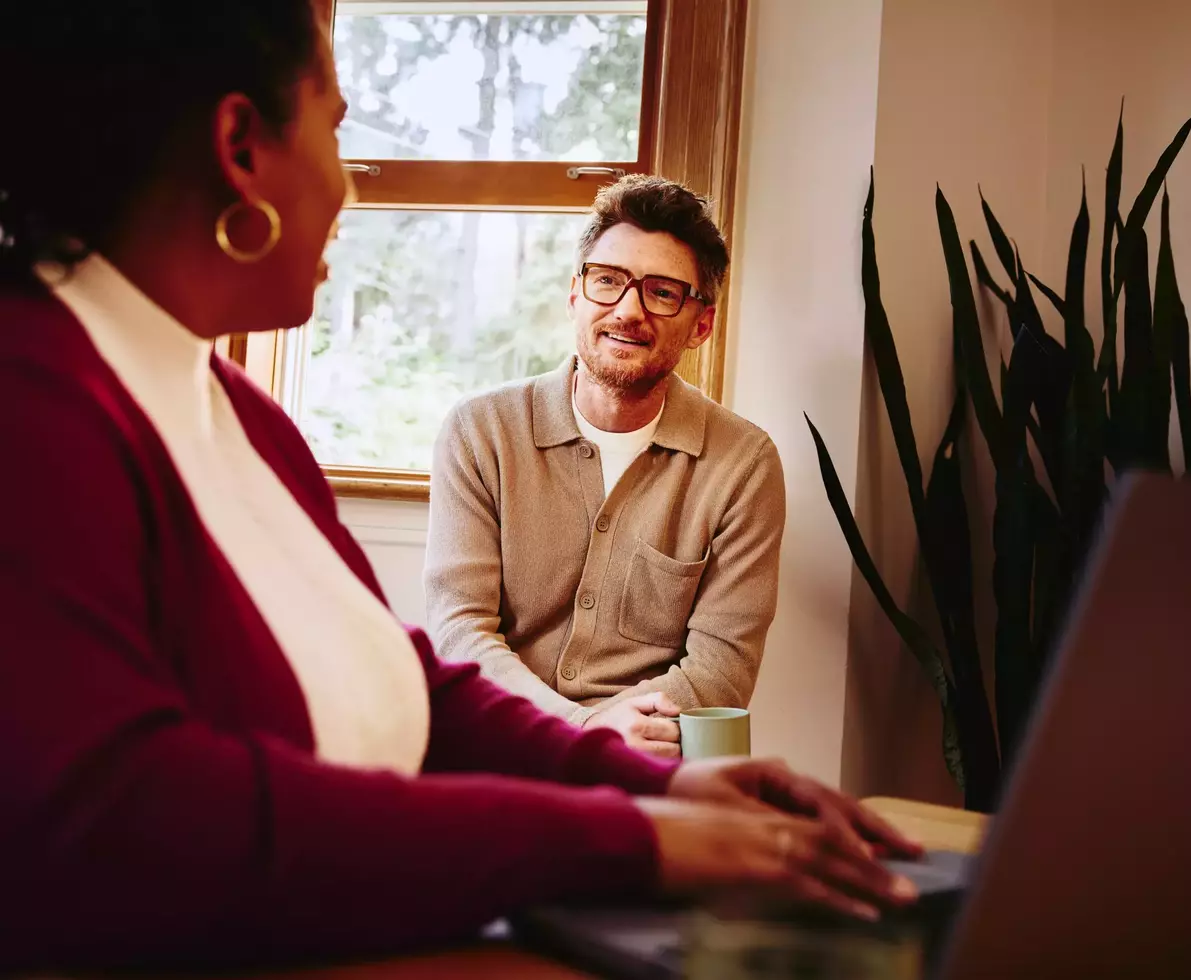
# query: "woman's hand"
705,846
766,784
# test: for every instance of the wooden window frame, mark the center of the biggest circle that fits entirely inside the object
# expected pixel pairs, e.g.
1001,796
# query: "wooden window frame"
691,96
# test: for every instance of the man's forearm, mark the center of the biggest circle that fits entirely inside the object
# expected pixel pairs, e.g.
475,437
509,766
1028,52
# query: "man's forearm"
501,665
464,571
694,682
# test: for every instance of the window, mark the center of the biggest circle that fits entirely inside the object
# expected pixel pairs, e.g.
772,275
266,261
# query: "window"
478,133
423,308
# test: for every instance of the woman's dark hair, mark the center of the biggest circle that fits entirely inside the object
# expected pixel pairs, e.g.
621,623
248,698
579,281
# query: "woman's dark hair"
657,204
95,93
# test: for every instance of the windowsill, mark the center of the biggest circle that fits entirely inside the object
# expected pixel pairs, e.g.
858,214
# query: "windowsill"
378,484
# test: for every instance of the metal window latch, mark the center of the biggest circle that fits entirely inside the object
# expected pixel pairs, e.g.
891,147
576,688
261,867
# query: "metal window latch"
574,173
371,169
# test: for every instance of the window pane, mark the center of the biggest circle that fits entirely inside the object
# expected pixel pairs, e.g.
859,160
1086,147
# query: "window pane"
490,86
421,309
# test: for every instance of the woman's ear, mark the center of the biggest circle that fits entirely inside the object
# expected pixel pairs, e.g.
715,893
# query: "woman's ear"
237,134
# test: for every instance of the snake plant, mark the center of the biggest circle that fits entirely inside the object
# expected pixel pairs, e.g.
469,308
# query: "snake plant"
1066,422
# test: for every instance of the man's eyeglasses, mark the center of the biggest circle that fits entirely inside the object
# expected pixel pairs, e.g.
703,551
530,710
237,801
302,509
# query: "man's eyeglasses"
660,295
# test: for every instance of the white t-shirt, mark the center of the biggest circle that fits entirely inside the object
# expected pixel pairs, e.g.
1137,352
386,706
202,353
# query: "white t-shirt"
617,449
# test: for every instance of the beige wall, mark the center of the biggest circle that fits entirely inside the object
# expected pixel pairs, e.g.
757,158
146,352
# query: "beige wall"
1014,95
1105,51
963,101
797,332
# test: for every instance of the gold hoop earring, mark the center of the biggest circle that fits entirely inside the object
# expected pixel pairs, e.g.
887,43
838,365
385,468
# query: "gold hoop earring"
236,254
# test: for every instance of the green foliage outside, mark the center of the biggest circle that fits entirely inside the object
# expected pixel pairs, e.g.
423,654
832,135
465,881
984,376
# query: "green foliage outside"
425,307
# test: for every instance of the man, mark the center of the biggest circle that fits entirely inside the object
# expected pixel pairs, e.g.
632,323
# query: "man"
604,539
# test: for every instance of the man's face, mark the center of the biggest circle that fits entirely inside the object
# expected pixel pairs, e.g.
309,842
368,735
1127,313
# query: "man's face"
625,346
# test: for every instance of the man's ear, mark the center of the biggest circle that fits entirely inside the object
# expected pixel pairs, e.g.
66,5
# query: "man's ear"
573,296
237,135
703,327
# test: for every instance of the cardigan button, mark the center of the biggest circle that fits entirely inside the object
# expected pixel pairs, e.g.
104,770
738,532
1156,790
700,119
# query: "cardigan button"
568,673
587,600
585,450
602,523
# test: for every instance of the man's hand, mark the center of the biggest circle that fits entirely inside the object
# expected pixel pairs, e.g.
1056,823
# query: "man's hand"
644,722
770,784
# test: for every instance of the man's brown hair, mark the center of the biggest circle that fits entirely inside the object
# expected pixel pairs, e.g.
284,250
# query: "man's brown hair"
657,204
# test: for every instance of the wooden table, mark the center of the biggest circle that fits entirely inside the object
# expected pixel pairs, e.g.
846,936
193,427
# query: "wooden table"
940,828
936,827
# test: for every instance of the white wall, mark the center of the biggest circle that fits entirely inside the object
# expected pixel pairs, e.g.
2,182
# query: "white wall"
393,535
797,336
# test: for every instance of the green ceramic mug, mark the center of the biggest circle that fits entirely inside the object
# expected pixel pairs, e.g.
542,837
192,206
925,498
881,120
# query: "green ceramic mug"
710,732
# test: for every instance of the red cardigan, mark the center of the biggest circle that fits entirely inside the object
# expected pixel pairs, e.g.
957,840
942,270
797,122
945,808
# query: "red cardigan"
160,801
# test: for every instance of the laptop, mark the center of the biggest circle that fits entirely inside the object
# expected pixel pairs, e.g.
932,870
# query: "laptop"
1086,871
746,935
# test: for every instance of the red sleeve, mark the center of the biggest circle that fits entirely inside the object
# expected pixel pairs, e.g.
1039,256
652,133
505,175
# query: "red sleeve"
476,725
133,831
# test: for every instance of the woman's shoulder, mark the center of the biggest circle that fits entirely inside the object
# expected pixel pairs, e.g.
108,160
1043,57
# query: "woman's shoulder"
75,486
35,326
52,378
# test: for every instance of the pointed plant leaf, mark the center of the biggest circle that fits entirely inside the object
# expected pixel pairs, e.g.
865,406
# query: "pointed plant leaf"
915,638
1046,377
1034,428
1076,337
1131,236
1166,298
1144,437
966,323
889,370
1054,577
952,753
984,277
1000,240
1013,574
947,544
1082,437
1170,325
1107,367
1055,299
912,635
1180,349
893,392
1016,394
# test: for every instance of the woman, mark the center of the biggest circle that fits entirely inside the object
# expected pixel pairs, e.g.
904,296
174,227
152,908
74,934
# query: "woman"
216,743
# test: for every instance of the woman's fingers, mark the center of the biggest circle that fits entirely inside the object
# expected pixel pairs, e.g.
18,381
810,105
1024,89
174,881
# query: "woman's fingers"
872,883
815,892
705,846
831,854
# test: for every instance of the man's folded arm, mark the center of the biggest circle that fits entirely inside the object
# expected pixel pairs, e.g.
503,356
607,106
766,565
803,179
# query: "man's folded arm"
463,575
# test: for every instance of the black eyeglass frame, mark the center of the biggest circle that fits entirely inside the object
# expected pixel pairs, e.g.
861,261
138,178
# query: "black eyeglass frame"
688,291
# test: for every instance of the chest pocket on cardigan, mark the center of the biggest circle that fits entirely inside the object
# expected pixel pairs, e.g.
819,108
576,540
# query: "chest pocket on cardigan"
658,594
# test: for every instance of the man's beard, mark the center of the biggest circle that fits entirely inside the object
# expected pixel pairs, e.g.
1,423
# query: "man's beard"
610,372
